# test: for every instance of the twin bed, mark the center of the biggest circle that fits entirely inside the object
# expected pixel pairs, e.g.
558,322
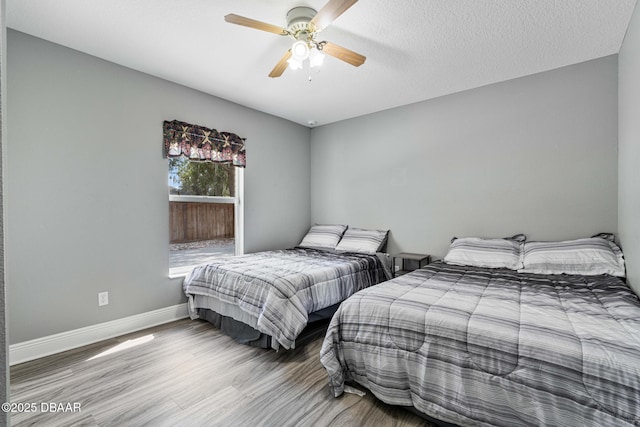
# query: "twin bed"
502,332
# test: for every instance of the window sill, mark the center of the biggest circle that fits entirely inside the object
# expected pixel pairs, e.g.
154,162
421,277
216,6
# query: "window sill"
180,272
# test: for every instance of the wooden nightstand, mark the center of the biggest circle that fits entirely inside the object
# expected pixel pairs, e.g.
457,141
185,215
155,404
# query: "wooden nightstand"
410,262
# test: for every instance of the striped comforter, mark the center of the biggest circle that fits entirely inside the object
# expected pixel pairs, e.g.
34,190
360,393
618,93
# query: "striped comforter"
475,346
280,288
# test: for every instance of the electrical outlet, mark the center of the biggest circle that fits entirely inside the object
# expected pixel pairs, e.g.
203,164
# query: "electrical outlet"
103,298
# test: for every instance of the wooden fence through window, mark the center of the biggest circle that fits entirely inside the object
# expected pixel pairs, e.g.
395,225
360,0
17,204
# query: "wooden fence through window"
192,222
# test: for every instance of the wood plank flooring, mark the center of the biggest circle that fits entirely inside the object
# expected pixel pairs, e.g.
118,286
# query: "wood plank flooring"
187,373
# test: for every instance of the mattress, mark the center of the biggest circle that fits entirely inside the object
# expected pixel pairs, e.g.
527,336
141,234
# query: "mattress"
479,346
274,291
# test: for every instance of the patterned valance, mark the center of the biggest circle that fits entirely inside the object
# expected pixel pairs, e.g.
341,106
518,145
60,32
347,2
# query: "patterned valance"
203,144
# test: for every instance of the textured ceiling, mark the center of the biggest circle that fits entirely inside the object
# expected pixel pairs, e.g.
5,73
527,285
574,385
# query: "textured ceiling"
415,49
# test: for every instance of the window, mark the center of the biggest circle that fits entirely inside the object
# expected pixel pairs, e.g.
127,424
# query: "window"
187,178
204,212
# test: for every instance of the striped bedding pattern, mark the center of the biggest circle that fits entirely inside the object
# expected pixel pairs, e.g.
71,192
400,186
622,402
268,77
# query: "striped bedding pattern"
492,253
590,256
477,346
361,240
280,288
323,236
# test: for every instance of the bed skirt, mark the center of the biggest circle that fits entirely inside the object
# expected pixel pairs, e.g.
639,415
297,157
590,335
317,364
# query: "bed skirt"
245,334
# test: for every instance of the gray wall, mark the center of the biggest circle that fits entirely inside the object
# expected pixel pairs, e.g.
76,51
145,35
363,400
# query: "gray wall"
629,150
534,155
86,185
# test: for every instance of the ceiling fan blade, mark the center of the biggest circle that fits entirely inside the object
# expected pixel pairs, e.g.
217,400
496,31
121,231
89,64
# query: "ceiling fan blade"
343,54
329,13
281,65
252,23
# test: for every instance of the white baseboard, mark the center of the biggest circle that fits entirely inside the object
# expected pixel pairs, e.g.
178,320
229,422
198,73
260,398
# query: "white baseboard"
45,346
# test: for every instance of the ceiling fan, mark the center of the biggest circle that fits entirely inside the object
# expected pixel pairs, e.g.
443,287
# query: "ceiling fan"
303,25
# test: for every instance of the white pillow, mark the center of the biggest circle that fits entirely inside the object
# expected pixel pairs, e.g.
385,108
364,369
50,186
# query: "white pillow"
587,257
491,253
323,236
361,240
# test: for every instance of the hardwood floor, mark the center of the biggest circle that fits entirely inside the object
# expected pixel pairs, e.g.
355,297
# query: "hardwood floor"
187,373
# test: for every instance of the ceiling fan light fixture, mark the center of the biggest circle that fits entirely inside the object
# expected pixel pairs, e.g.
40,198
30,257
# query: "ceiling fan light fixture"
294,64
315,58
300,50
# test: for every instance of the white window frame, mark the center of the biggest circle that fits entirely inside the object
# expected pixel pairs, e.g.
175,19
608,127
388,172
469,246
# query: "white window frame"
177,272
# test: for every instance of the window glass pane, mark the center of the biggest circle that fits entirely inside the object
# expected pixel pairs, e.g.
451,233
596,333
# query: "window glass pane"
188,178
200,231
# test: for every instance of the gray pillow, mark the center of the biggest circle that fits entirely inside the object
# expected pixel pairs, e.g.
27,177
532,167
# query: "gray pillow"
323,236
362,240
587,257
491,253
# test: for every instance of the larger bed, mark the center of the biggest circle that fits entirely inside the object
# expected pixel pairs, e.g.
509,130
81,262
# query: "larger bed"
491,346
268,298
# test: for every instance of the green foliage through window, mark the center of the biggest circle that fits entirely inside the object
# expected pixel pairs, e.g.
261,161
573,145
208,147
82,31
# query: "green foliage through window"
189,178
